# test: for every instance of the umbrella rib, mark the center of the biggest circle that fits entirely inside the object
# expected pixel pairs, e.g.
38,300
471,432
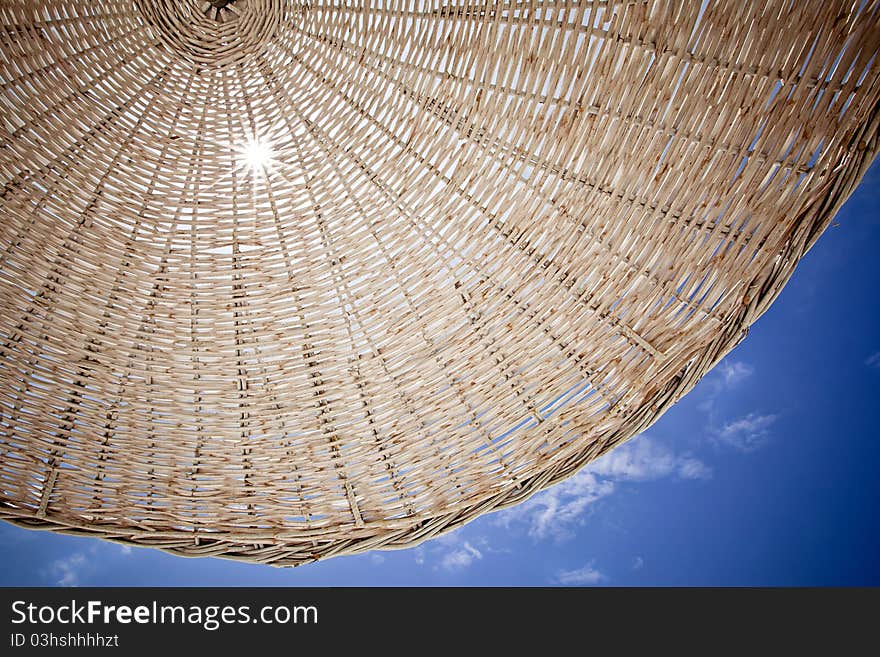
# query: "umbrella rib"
501,361
519,243
325,408
258,349
82,369
76,149
393,469
533,411
298,304
493,222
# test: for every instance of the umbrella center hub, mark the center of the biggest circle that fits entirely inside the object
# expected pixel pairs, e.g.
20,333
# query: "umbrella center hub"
216,33
220,10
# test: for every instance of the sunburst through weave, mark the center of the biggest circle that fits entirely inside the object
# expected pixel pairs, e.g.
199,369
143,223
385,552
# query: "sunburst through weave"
281,280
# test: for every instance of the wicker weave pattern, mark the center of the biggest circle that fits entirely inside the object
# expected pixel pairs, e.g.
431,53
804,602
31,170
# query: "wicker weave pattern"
493,241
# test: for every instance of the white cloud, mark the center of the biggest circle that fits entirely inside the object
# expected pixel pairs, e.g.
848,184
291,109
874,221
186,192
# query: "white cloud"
727,375
735,372
748,433
692,468
460,557
556,512
85,563
452,551
642,459
553,513
580,577
67,570
638,562
377,559
873,360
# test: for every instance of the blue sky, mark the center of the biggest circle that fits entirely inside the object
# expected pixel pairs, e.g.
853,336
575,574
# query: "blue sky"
768,473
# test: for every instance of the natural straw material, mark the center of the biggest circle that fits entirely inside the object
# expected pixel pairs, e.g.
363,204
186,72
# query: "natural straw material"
281,280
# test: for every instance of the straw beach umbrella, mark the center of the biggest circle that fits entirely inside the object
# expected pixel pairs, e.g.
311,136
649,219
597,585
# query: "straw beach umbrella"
287,279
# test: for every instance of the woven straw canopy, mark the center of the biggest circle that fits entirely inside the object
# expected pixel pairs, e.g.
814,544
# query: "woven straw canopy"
287,279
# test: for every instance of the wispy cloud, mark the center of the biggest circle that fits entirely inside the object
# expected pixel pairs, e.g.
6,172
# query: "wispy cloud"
85,564
67,570
419,555
558,511
638,562
460,557
733,372
873,360
585,576
555,512
747,433
725,377
643,459
453,552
